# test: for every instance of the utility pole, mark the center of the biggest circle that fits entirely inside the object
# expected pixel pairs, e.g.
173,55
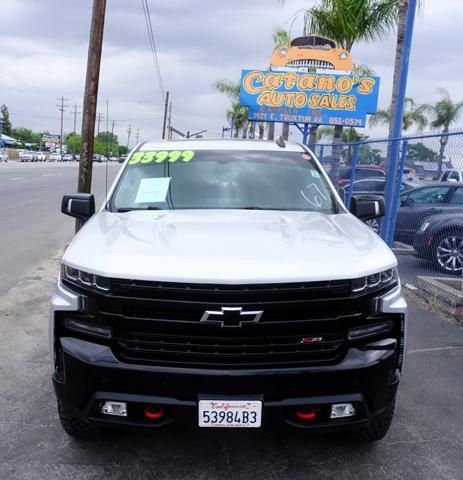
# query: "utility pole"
129,132
169,122
112,134
61,108
137,136
99,116
91,97
166,105
75,113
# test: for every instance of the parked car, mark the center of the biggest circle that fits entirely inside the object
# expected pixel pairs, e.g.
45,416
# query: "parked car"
3,157
55,157
98,158
28,156
452,175
67,157
222,284
372,186
422,202
40,156
360,174
440,239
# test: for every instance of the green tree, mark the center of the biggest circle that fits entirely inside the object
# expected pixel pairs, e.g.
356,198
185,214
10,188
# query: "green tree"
109,141
5,120
73,142
349,22
237,113
420,152
413,115
443,114
25,135
122,150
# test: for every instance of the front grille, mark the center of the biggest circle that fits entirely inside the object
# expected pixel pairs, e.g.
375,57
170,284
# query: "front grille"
307,63
302,324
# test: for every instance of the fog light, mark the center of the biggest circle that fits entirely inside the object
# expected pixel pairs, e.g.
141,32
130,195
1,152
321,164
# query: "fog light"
119,409
342,410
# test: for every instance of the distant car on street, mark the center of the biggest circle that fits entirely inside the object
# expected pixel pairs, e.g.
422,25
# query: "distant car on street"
67,157
418,204
40,156
28,156
452,175
440,239
3,157
55,157
98,158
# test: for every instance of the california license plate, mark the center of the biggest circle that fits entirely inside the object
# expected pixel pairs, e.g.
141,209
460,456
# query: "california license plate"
230,413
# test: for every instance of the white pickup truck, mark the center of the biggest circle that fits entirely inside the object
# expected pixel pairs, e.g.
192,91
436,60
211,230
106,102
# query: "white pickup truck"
225,284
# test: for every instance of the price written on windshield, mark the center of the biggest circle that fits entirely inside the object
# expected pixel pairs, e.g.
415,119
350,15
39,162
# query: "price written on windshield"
171,156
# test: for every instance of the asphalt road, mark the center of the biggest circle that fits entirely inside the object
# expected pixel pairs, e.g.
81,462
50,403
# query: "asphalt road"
31,225
425,441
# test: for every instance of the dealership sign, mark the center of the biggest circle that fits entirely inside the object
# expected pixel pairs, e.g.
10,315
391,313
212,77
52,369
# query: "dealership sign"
321,99
48,138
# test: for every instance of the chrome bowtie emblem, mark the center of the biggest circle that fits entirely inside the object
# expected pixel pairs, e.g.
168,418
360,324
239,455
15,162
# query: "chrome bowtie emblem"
231,316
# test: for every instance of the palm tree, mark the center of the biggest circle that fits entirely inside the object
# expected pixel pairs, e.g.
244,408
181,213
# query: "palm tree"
413,115
281,38
348,22
237,114
443,113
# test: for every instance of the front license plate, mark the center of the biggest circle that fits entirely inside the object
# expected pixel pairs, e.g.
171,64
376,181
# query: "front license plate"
230,413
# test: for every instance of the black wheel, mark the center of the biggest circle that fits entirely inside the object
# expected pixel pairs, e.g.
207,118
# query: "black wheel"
376,430
374,224
448,252
72,426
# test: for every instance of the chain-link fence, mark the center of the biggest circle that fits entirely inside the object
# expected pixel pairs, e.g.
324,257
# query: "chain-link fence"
424,205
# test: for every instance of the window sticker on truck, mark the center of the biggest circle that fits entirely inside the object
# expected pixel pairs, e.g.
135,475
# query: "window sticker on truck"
152,190
159,157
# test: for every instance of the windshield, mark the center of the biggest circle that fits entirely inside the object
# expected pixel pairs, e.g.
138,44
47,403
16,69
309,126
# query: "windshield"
222,179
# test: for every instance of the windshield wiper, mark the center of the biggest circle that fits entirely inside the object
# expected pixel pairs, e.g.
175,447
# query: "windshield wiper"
129,209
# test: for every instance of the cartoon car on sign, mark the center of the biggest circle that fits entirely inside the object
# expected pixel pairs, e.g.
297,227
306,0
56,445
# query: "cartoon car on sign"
311,54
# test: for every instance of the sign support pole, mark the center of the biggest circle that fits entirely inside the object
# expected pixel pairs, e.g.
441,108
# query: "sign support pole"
397,124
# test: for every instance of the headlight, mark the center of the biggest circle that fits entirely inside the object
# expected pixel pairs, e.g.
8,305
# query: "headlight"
424,227
343,55
84,279
381,279
283,51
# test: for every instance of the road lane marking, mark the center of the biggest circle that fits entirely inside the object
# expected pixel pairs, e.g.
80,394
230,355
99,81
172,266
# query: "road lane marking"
32,200
51,174
435,349
17,178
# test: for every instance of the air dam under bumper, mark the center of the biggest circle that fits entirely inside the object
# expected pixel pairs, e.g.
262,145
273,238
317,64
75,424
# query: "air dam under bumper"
366,377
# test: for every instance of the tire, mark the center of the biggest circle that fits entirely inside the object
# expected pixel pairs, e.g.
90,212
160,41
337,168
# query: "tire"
74,427
442,246
374,224
377,429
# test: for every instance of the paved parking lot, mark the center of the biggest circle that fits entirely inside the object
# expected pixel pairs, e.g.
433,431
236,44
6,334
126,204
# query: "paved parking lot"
425,442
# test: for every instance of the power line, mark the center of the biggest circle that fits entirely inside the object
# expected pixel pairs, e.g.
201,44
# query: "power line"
149,29
61,106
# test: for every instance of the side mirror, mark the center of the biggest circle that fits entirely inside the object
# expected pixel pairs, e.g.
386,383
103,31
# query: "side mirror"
367,207
407,202
78,205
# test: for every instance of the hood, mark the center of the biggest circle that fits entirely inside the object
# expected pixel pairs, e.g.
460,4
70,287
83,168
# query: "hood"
228,246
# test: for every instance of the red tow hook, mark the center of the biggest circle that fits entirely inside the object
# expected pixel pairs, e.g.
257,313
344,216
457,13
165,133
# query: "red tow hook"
154,412
306,413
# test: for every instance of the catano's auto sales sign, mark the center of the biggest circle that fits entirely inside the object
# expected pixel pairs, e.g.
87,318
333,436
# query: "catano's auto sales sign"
309,98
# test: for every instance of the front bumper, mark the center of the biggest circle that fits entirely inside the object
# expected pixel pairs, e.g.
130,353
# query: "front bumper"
90,374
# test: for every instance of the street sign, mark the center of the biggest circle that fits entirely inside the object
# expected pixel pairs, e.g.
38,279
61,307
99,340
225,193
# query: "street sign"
49,138
321,99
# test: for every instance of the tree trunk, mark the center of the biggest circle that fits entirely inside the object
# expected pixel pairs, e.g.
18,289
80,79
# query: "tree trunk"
440,159
399,51
271,131
236,131
285,131
337,152
261,131
245,130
